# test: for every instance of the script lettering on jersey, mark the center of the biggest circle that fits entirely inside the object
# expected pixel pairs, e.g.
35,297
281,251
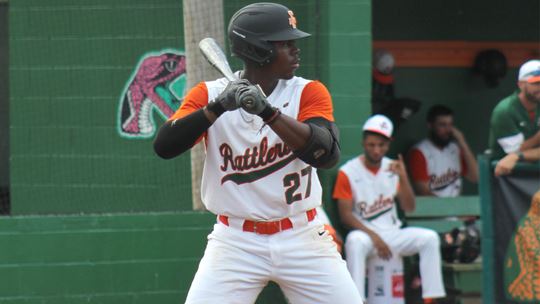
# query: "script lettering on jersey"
444,180
379,207
277,157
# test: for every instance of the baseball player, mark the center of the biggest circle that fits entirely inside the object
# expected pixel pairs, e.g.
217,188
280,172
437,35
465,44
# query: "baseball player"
265,137
365,190
438,162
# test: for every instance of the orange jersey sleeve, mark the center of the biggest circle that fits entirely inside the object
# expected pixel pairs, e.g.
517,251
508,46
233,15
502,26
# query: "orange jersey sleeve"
197,98
418,166
315,101
342,188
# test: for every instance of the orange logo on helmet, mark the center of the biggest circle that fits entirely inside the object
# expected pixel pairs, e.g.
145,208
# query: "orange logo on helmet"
292,19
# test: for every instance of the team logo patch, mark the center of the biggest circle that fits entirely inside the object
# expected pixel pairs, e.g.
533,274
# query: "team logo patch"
156,85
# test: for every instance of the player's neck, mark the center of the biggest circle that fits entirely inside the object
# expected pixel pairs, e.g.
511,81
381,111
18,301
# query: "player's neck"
258,76
371,165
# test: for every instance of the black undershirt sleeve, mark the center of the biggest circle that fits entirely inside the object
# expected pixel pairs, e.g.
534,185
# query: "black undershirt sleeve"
177,136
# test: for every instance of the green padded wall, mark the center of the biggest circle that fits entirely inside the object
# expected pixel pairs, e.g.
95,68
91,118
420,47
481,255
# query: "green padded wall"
70,61
135,259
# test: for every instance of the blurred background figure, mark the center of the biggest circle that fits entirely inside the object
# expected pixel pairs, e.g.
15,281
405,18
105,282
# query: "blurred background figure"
515,121
438,162
383,99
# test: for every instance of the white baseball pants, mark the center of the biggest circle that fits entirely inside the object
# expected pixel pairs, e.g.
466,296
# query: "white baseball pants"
304,262
402,242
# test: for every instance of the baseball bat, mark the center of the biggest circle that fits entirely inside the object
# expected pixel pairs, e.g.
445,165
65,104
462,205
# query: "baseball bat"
215,56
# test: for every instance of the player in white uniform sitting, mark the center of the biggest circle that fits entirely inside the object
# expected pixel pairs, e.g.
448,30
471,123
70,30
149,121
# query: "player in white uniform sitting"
260,175
437,163
365,190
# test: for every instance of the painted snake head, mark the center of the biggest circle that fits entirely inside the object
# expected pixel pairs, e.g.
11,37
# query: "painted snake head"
149,89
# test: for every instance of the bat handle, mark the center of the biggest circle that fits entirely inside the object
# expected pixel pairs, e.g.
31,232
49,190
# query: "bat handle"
249,102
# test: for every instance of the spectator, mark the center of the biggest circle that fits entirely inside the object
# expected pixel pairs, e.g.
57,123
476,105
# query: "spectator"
366,188
438,162
507,163
515,121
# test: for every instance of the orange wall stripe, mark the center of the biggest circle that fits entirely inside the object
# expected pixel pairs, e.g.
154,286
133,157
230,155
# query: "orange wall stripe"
455,53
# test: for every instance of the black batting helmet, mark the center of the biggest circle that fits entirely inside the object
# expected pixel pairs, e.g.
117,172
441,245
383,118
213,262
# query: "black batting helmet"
254,27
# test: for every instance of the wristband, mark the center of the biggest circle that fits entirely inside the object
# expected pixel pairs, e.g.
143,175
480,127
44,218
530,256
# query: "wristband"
216,108
521,157
267,113
273,118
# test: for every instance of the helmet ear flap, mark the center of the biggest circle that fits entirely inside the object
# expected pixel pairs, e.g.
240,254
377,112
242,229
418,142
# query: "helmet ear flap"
258,55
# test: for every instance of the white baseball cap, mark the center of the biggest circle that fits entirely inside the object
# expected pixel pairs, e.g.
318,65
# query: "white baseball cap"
530,71
379,124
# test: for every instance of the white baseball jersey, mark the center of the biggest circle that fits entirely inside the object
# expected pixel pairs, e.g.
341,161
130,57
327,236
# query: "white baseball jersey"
443,166
249,172
373,194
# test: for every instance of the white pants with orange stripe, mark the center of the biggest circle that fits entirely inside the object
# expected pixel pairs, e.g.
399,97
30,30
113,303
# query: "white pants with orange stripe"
402,242
303,261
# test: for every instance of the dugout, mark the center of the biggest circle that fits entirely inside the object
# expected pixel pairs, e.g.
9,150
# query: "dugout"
95,216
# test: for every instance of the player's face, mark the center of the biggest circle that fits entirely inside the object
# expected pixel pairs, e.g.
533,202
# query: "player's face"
531,91
287,59
441,130
375,148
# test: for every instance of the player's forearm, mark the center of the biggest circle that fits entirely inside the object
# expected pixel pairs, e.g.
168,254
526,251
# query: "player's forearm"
472,165
530,143
422,188
531,154
406,196
351,222
321,147
294,133
177,136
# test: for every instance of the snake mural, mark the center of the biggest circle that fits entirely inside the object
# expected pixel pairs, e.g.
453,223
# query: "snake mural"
156,85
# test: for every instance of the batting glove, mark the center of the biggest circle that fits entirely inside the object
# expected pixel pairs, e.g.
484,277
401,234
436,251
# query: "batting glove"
252,99
226,100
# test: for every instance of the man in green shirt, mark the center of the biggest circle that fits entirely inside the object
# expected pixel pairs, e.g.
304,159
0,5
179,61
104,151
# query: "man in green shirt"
515,121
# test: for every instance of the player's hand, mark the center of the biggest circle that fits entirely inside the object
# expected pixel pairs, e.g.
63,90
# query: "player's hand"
398,167
458,135
251,99
383,251
506,164
227,98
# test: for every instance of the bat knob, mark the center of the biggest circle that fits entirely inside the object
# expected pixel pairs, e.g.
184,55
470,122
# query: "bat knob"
248,101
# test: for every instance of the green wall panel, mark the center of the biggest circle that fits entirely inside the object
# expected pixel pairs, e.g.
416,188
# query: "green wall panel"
69,66
127,258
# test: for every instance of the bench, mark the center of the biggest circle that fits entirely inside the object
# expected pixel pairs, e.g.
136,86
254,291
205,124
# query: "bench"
441,215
